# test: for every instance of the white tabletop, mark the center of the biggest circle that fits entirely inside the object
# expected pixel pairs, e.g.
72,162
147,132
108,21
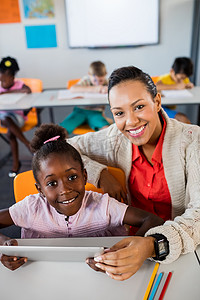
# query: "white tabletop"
195,99
26,102
50,99
57,280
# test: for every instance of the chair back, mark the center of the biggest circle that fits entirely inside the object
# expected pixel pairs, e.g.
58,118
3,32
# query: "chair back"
72,82
82,129
155,79
24,183
35,84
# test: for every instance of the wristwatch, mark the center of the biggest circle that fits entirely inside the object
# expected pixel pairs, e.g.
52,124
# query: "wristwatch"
161,246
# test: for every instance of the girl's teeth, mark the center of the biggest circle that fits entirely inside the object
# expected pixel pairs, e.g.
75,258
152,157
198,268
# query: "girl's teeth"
69,201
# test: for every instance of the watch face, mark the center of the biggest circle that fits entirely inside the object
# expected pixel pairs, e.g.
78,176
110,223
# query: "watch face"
161,247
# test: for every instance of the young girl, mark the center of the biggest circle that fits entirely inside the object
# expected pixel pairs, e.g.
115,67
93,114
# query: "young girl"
63,208
13,120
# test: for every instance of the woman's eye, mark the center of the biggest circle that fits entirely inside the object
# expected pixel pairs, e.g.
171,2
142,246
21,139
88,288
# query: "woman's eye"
139,107
72,177
119,113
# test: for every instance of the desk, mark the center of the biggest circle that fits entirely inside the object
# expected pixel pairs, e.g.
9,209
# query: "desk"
195,99
49,98
25,102
62,280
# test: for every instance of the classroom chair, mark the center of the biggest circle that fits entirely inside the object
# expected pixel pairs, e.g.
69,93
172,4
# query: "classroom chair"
84,128
155,79
72,82
24,183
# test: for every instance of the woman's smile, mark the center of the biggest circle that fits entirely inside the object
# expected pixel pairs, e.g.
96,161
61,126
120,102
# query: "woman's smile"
137,132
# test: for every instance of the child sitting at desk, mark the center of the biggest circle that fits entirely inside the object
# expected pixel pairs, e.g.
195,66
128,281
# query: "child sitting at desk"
13,120
94,82
63,208
177,79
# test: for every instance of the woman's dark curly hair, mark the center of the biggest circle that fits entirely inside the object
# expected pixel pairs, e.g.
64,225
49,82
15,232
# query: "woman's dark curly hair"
131,73
41,149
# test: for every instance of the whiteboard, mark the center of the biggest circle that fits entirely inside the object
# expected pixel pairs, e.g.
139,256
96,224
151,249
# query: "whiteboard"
112,23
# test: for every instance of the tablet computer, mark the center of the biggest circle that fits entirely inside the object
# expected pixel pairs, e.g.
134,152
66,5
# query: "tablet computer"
52,253
60,249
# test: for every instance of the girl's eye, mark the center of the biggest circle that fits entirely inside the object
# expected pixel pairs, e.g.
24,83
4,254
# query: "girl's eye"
139,107
72,177
52,183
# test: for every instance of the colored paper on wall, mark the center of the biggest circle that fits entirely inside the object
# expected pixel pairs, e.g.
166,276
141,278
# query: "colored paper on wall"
9,11
42,36
38,9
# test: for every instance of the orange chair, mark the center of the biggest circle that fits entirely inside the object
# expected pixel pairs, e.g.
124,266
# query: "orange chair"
72,82
35,84
155,79
24,183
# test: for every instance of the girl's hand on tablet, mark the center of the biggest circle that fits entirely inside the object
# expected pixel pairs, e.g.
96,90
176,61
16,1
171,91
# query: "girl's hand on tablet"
12,262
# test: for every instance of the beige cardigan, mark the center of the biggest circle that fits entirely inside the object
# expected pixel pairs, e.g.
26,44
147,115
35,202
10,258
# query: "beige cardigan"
181,161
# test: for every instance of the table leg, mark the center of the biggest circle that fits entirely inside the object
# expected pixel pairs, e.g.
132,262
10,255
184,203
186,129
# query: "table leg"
51,115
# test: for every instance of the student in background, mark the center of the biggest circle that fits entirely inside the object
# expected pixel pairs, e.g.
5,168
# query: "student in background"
63,208
94,82
161,161
177,79
13,120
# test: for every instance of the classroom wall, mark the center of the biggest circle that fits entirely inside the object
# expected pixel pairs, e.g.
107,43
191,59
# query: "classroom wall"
56,65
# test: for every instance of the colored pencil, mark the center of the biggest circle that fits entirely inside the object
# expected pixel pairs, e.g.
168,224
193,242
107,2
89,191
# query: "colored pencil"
154,290
151,281
165,285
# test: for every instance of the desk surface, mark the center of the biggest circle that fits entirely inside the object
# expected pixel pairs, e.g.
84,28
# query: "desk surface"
58,280
49,98
195,99
25,102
